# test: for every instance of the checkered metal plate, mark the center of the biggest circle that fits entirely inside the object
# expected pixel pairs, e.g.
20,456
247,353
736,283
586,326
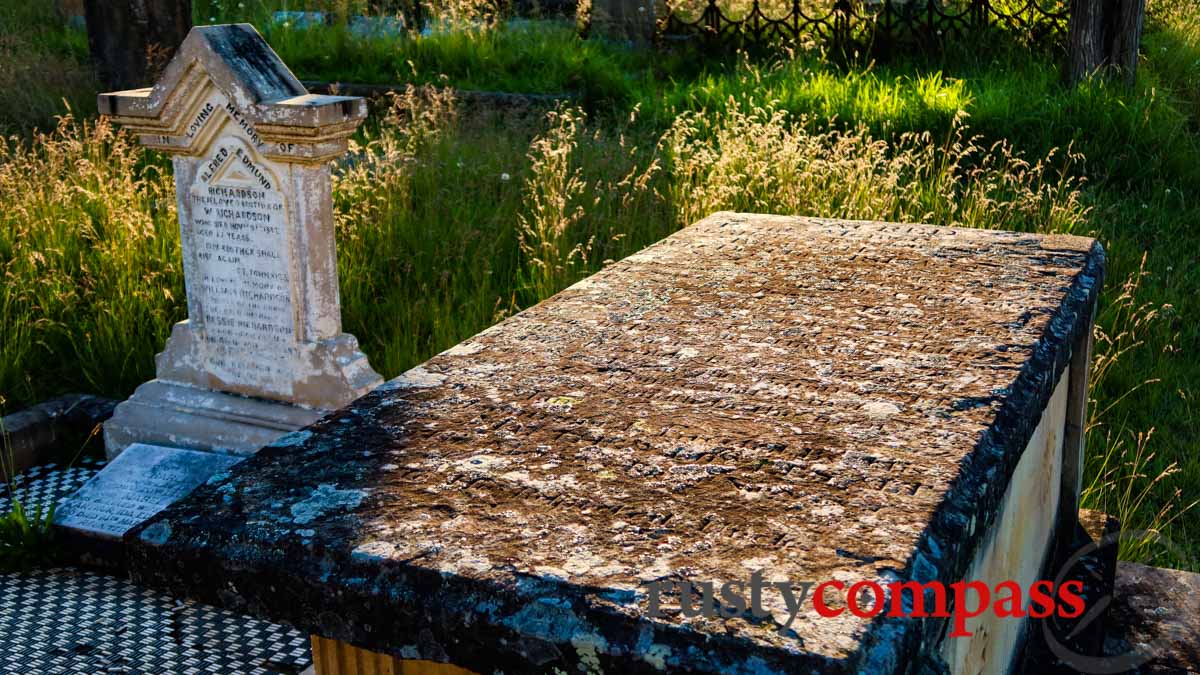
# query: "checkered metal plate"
43,485
77,621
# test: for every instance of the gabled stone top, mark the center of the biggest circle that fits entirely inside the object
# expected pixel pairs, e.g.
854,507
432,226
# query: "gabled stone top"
819,399
261,91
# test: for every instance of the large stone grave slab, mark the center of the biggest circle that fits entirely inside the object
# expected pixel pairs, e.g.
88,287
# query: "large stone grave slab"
784,399
262,352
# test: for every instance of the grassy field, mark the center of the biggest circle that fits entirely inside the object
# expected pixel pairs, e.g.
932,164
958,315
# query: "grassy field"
454,218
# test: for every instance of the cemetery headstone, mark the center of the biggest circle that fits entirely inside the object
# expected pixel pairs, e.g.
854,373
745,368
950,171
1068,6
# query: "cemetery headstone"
796,400
623,20
262,352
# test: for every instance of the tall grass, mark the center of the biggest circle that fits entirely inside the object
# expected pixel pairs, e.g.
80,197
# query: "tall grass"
420,262
42,64
769,161
1124,478
1172,46
434,210
554,192
89,262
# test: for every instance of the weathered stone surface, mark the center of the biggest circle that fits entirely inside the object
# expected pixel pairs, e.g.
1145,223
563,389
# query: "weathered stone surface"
815,399
184,416
250,150
37,434
1156,619
144,480
623,20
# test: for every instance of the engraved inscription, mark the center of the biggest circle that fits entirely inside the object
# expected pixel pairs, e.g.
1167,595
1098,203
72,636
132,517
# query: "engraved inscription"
137,485
120,508
197,124
245,126
240,238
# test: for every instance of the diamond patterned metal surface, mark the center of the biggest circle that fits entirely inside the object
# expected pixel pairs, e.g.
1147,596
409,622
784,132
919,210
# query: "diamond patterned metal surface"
48,483
75,621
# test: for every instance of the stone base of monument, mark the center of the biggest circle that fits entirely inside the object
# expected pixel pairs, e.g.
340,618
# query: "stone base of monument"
1156,617
183,416
200,405
1065,645
143,481
45,432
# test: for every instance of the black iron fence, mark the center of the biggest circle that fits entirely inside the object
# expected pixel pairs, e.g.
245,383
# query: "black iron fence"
860,25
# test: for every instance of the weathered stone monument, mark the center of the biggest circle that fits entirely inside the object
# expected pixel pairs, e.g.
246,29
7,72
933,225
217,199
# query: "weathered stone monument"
800,399
623,20
262,352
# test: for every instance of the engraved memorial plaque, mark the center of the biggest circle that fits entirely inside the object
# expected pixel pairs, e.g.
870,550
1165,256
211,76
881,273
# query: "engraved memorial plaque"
144,480
239,240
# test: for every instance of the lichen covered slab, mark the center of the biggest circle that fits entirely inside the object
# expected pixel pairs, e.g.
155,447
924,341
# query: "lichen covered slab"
815,399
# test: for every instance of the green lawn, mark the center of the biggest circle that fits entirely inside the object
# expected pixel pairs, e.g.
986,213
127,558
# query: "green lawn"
453,219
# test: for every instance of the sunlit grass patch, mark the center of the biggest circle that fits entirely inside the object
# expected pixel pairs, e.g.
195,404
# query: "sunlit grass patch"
42,65
89,256
770,162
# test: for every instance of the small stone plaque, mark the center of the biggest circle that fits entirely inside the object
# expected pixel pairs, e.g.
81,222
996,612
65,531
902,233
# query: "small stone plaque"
140,482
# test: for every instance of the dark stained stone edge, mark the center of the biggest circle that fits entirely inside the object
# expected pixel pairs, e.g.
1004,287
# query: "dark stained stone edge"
259,68
430,615
945,550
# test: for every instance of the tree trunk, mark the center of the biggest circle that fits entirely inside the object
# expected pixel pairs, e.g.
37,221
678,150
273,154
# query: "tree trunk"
1125,36
1104,34
1086,39
133,40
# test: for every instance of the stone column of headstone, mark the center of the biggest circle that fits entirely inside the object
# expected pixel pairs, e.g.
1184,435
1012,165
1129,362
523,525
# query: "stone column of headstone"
262,352
623,20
